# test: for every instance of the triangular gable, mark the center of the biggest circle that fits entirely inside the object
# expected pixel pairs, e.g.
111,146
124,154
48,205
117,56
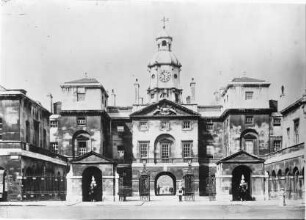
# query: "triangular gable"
241,157
164,108
92,157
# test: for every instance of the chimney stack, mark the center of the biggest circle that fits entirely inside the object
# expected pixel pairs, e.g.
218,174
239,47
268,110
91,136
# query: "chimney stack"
188,100
136,86
113,97
192,87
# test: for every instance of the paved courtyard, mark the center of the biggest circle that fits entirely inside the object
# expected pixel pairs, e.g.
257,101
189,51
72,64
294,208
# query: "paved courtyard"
157,208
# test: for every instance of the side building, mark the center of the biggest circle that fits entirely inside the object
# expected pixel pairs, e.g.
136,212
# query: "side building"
28,169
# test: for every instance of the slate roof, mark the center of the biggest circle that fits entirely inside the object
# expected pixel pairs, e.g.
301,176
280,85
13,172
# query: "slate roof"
247,79
83,80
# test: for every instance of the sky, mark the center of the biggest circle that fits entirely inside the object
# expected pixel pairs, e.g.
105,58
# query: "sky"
46,43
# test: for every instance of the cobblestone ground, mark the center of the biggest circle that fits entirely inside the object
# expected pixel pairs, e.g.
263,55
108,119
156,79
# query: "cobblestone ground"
156,208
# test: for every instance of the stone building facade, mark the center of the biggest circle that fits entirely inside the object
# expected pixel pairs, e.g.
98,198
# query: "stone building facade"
157,147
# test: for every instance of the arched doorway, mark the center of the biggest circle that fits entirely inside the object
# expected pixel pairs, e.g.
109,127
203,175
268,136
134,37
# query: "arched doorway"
90,175
3,186
165,184
241,173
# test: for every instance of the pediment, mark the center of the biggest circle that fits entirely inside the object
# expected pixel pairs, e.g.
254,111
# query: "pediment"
92,157
241,157
164,108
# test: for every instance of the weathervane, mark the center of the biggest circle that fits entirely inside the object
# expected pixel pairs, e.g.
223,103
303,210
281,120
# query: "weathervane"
164,20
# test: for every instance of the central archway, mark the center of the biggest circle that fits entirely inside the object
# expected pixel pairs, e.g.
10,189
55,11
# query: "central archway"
87,179
238,174
165,184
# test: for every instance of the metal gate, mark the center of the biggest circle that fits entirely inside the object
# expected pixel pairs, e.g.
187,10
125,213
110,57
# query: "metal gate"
144,187
43,187
189,187
124,190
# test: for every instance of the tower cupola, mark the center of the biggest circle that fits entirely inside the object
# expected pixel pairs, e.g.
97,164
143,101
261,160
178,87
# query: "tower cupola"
164,70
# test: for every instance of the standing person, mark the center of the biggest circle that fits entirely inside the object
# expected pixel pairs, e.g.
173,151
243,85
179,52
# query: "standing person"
180,194
243,187
158,189
92,189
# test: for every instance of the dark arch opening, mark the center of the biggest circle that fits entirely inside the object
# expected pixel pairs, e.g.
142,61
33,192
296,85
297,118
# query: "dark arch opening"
95,193
165,184
164,43
239,173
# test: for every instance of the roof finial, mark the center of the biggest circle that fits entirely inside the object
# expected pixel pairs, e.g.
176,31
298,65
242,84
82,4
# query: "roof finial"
164,20
86,75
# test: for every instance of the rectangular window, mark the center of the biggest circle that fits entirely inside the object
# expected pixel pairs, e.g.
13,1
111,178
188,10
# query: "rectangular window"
276,121
164,125
276,145
54,147
54,124
82,147
187,149
249,95
165,151
81,94
143,125
186,125
249,146
288,135
249,120
81,121
210,151
296,124
121,151
120,128
80,97
209,126
143,148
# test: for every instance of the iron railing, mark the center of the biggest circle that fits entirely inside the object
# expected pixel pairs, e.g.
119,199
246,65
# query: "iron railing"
44,187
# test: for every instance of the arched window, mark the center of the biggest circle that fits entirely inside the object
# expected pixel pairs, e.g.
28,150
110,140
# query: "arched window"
164,43
249,139
81,143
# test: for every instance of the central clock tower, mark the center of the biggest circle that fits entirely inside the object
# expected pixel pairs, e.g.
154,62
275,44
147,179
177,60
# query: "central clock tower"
164,71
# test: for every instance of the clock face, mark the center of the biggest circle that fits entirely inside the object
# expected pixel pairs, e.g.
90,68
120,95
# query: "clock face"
164,76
